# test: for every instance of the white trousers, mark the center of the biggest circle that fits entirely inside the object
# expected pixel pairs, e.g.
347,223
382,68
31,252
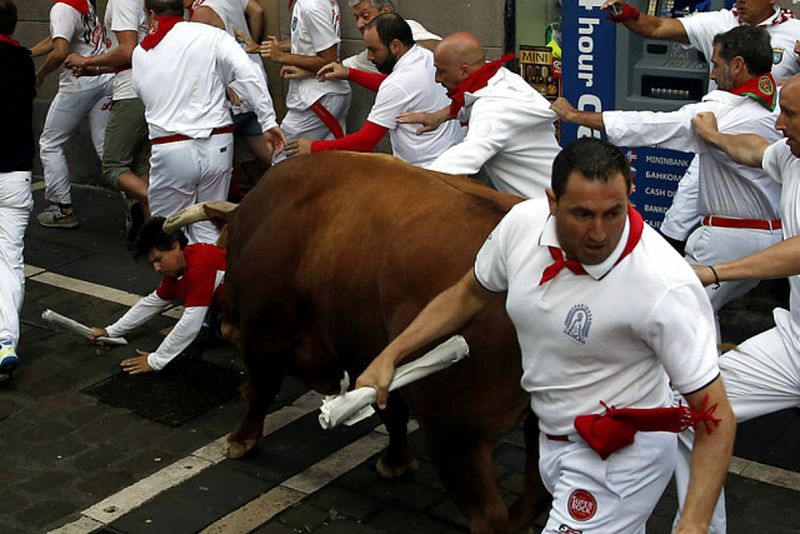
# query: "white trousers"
596,496
683,214
65,114
709,245
306,123
16,203
183,173
761,376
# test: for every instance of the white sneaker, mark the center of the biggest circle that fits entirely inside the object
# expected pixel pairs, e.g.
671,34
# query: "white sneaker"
8,360
53,217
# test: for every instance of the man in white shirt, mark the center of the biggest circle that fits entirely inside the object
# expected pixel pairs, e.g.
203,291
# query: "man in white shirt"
126,149
698,31
180,71
409,86
74,27
511,131
739,204
314,110
365,12
563,262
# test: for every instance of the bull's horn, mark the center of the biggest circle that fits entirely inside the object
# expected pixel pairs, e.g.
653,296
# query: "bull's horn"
194,214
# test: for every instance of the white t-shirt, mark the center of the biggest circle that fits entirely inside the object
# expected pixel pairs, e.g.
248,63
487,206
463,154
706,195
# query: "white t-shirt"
411,87
85,36
511,133
784,167
726,188
361,61
702,27
315,27
125,15
580,343
182,80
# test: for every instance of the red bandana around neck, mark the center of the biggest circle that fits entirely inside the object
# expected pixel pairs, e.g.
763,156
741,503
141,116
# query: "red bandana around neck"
476,80
163,25
761,89
634,235
9,40
778,17
81,6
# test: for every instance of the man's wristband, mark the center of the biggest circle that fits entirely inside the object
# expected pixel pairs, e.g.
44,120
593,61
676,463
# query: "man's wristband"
716,276
89,61
628,12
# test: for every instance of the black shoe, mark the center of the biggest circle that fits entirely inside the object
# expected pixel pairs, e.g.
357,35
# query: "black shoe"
137,221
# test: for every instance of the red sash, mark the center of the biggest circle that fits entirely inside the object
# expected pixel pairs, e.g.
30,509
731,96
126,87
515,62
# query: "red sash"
761,89
162,27
81,6
477,80
9,40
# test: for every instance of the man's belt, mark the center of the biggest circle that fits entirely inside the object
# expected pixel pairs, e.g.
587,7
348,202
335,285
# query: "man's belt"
755,224
179,137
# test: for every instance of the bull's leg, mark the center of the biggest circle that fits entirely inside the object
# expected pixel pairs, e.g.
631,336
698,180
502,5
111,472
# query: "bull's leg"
396,459
465,466
263,384
534,499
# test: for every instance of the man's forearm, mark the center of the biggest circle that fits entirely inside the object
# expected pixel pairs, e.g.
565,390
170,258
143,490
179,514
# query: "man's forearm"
45,46
745,149
778,261
590,119
310,63
658,28
54,60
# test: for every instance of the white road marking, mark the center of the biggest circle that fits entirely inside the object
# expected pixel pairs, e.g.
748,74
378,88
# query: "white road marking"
291,490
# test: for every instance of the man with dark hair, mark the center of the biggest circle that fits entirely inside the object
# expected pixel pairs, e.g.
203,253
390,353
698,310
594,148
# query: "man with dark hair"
739,204
408,85
563,262
17,90
193,275
698,31
180,71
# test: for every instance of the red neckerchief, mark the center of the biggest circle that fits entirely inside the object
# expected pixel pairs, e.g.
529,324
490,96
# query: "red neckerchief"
163,25
476,80
761,89
9,40
778,17
616,428
81,6
634,235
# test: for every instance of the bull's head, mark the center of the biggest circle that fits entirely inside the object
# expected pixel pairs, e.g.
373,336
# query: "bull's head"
216,211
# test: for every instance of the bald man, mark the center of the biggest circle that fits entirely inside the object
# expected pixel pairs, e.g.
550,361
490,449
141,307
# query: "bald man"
511,131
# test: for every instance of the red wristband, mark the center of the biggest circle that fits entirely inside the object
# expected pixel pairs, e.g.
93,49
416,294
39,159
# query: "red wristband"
89,61
628,12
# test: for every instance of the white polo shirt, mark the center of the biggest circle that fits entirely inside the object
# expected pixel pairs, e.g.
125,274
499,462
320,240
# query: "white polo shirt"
182,81
606,336
784,167
511,133
411,87
702,27
315,27
361,60
85,36
121,16
726,188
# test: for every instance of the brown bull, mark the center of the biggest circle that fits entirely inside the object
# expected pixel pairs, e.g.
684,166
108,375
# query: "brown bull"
329,258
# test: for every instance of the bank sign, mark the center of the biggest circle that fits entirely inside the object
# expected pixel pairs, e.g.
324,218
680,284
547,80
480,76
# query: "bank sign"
589,83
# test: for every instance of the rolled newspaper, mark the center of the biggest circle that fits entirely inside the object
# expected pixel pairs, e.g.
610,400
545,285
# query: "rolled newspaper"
353,406
81,329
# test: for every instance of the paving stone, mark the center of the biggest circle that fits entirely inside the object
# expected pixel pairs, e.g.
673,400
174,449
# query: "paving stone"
47,480
395,521
274,528
304,517
47,431
510,456
43,513
346,502
104,483
346,526
13,502
98,458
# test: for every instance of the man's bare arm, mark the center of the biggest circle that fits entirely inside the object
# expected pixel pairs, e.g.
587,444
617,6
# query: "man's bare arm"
54,60
668,29
444,314
745,149
271,50
711,456
566,112
778,261
45,46
254,14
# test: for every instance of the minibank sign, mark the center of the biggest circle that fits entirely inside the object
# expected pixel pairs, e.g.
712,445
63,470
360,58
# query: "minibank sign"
588,61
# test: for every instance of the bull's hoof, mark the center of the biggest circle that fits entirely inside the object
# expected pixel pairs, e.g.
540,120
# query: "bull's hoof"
239,448
388,471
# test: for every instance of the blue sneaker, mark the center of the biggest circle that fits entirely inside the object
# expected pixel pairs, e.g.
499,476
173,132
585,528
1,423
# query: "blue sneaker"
8,360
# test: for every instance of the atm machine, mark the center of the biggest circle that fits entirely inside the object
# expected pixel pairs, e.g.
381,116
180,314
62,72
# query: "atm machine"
608,67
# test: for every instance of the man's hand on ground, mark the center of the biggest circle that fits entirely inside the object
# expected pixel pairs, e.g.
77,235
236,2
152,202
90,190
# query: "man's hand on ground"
137,365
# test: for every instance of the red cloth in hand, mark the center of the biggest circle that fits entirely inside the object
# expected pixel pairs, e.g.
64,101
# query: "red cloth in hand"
367,80
616,428
363,140
628,12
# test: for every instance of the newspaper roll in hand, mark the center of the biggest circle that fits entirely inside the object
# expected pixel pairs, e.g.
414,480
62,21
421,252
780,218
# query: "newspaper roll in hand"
81,329
353,406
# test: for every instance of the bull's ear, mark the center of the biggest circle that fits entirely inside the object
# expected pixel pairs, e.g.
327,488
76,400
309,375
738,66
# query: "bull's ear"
218,217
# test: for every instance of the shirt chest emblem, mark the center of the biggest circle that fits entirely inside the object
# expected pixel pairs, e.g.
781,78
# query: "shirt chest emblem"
578,322
777,55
